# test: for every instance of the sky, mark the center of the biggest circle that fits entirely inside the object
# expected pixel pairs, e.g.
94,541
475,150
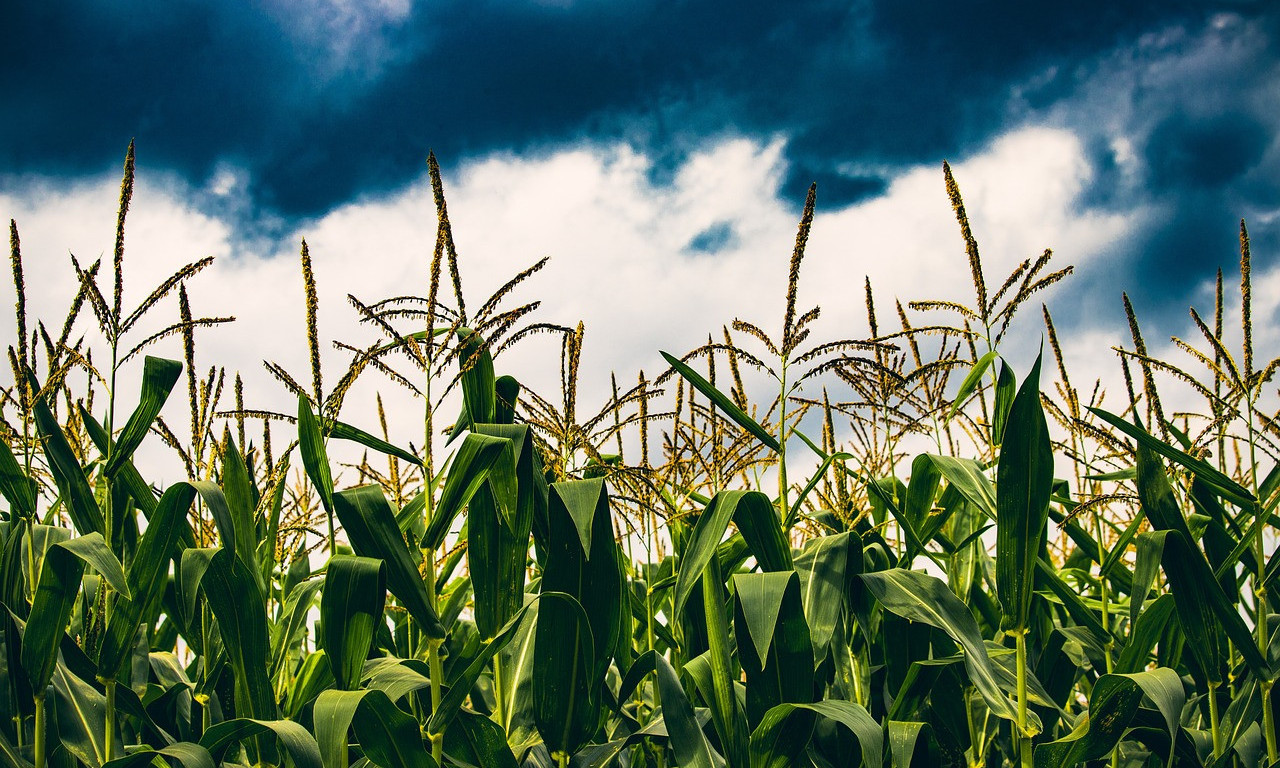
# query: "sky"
658,151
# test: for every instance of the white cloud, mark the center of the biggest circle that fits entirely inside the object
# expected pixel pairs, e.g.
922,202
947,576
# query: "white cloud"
618,242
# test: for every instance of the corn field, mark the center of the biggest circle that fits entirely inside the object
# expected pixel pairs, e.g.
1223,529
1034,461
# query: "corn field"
1054,580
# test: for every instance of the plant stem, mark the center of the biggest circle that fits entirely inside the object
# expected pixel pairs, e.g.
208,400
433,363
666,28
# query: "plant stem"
40,731
110,736
1024,739
782,444
437,678
1214,719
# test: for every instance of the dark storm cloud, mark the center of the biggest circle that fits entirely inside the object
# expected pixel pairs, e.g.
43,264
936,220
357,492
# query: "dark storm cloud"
200,82
317,113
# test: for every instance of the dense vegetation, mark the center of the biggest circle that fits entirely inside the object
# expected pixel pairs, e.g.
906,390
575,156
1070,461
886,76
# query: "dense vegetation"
647,585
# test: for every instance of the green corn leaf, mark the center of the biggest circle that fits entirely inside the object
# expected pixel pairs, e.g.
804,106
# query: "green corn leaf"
769,742
355,592
462,685
920,597
966,476
18,489
971,381
237,490
778,662
127,475
233,597
593,576
93,550
507,390
215,503
566,705
315,458
922,490
1221,484
570,656
148,575
68,475
300,745
497,552
187,754
80,714
722,401
192,566
158,377
478,383
474,739
688,742
387,735
758,523
480,458
293,617
371,528
1005,395
760,601
344,431
707,533
55,596
1112,705
1146,632
1070,599
1204,610
905,737
822,565
1024,482
726,712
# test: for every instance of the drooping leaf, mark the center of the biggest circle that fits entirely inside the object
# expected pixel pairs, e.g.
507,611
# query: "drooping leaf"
1112,705
1220,483
476,740
187,754
707,533
68,475
300,745
233,597
920,597
344,431
574,643
758,523
387,735
1204,611
18,489
688,742
55,596
971,381
158,377
93,550
769,742
148,575
371,528
780,668
497,552
480,458
355,592
822,565
723,402
315,458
